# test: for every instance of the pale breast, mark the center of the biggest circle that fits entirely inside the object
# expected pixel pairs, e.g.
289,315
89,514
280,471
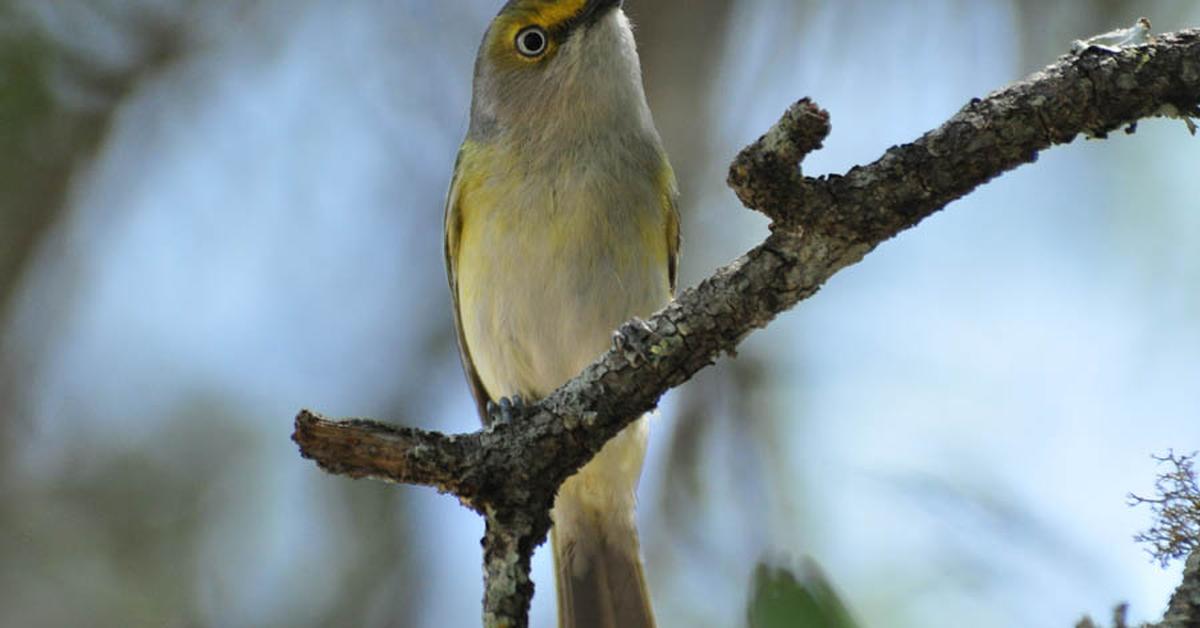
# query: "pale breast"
549,267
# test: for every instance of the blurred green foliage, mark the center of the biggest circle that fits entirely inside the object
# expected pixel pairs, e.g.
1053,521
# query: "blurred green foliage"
780,599
27,171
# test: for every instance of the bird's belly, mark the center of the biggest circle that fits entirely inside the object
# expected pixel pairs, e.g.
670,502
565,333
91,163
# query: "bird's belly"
539,300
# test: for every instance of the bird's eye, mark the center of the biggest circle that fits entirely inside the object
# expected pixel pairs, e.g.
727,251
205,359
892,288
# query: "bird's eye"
531,41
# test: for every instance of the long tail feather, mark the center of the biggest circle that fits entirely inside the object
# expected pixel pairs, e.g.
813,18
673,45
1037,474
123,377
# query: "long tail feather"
599,575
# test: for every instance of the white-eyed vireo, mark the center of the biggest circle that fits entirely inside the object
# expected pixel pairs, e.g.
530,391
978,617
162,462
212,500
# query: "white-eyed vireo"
561,224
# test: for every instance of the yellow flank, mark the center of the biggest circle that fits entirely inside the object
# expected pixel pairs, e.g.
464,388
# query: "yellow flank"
461,183
469,196
668,190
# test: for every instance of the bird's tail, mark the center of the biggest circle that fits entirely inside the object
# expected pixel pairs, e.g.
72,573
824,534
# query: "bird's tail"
598,567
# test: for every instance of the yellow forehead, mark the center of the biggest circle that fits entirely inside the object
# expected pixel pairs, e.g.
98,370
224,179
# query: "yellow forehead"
557,12
548,13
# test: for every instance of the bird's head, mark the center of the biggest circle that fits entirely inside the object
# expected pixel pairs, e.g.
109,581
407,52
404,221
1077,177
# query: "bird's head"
547,67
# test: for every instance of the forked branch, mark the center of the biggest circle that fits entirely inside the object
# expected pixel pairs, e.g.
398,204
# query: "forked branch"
511,471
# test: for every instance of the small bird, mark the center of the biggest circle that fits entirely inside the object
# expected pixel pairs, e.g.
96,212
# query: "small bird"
561,224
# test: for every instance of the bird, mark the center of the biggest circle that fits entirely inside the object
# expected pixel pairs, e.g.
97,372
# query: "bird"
561,224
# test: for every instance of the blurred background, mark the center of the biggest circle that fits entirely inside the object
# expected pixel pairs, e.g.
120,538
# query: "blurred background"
215,213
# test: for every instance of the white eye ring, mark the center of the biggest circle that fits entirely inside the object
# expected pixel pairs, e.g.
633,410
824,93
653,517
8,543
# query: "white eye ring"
531,41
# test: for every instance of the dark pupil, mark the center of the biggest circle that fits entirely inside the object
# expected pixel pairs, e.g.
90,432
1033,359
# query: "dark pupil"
533,41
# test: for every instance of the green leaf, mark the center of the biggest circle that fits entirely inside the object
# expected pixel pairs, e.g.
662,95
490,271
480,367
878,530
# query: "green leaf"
781,600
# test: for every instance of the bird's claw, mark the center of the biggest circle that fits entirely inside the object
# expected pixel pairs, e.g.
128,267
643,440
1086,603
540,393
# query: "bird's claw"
506,410
631,338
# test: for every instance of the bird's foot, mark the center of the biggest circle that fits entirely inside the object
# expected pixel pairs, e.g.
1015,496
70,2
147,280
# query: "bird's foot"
507,409
631,340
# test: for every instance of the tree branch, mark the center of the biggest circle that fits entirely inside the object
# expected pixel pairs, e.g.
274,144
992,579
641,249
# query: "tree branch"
511,471
369,449
1183,611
